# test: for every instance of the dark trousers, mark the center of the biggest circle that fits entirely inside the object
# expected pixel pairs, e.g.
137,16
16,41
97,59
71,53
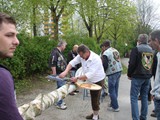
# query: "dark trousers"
95,97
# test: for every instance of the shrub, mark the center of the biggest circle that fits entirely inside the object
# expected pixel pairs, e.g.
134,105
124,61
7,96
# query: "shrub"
32,55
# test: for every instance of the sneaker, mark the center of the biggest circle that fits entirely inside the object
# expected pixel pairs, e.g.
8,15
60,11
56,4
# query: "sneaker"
63,103
72,93
76,91
90,117
113,110
153,114
62,107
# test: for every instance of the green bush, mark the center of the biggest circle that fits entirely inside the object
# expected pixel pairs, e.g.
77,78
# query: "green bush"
76,39
31,56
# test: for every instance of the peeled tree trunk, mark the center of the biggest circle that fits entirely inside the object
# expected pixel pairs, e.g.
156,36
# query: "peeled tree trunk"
43,101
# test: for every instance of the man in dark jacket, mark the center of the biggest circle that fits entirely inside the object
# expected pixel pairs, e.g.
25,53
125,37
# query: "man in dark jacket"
71,55
140,72
57,63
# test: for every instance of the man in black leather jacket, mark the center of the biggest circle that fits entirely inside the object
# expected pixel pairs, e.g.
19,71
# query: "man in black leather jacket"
140,72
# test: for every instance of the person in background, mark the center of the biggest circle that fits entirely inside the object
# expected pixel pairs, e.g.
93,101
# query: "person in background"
153,73
58,64
93,72
71,55
155,41
154,67
8,44
105,87
113,67
140,72
102,50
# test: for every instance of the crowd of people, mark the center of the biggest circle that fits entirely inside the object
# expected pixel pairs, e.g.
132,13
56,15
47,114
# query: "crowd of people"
144,62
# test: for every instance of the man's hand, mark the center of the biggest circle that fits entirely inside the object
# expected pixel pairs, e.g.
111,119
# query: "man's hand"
153,97
129,78
74,79
62,75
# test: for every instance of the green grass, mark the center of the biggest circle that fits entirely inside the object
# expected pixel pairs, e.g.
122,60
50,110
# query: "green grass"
28,84
22,85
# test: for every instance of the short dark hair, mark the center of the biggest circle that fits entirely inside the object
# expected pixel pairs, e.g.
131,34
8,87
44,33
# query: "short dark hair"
155,34
107,43
82,48
6,19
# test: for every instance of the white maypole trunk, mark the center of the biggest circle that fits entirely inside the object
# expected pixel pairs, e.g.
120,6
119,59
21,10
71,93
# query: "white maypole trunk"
43,101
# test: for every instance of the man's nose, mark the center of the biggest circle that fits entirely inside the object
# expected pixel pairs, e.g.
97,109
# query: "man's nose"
16,41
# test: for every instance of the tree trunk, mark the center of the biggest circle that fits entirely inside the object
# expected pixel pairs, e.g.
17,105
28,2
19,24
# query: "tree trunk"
99,38
90,32
34,22
55,30
43,101
34,29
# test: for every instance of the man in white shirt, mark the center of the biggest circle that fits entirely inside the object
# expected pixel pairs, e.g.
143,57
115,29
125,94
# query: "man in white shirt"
93,72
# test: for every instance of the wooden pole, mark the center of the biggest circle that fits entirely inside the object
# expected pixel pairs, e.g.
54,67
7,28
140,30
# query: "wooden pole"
43,101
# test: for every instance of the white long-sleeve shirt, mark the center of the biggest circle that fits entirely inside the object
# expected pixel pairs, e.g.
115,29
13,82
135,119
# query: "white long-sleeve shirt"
156,89
92,67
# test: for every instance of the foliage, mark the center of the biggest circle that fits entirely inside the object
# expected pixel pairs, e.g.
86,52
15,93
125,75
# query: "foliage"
23,85
77,39
31,57
30,83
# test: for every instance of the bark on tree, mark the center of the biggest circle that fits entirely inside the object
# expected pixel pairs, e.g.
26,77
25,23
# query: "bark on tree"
43,101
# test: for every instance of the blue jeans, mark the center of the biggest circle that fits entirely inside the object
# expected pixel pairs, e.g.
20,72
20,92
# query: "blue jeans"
113,85
157,108
139,86
60,84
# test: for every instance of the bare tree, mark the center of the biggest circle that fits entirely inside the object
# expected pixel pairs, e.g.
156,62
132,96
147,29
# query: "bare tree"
146,16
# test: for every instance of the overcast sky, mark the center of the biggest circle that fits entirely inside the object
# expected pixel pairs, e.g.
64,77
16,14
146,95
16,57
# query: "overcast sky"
156,5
